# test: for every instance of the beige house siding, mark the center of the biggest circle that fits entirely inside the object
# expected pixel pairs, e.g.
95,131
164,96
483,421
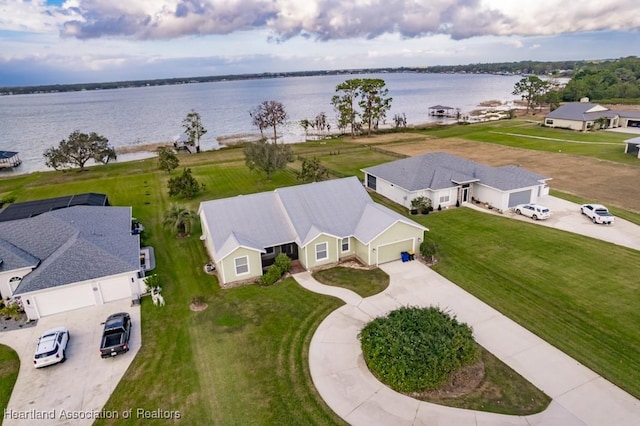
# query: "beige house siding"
227,269
309,258
567,124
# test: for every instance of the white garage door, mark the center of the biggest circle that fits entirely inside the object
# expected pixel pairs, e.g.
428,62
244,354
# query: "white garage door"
522,197
115,290
391,252
64,299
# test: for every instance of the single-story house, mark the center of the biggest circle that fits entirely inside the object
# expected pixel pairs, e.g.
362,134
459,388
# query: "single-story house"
447,179
318,224
70,258
632,146
583,115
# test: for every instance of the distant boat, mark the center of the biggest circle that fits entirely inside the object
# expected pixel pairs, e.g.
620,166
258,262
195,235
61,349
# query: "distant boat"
9,159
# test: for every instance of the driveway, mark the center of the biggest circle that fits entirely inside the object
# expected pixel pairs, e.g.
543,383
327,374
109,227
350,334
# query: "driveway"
566,216
339,373
78,387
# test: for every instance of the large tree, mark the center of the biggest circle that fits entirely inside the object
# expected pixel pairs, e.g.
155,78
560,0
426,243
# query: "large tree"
312,171
269,114
345,104
374,101
267,157
531,89
194,129
78,149
179,218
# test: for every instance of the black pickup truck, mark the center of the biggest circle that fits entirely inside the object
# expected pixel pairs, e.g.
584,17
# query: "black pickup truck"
115,337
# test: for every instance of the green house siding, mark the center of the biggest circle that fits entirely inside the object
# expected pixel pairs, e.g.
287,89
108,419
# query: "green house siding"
361,251
350,252
399,237
227,267
333,247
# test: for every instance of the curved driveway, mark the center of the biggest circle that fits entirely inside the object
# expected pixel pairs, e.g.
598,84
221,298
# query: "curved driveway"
338,370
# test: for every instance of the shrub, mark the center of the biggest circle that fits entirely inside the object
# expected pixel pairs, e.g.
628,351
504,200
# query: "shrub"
415,349
272,275
283,263
428,250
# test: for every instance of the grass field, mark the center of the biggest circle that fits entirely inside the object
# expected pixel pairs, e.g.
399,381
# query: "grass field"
243,360
525,134
363,282
579,294
9,366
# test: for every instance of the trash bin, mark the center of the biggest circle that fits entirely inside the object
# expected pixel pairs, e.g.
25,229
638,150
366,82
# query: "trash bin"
412,255
404,256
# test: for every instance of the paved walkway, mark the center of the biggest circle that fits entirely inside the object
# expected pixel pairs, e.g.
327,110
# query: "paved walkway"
338,370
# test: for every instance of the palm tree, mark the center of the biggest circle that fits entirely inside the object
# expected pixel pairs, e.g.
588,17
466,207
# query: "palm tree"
179,218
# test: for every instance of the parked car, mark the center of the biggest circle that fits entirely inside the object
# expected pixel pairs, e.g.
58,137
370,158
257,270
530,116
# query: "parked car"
534,211
51,347
597,213
115,337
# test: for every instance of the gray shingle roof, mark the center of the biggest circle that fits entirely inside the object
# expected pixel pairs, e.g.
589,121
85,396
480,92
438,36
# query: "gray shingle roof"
74,244
578,111
440,170
339,207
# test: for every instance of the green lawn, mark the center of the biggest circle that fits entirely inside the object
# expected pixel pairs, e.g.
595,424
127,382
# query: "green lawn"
579,294
243,361
364,282
525,134
9,366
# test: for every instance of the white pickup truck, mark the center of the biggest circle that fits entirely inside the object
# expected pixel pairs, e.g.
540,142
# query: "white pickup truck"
597,213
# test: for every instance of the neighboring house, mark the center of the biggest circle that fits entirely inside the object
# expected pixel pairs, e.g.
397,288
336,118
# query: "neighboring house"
632,147
446,180
317,224
583,115
33,208
70,258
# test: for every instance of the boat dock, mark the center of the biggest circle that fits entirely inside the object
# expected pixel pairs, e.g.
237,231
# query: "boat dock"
9,159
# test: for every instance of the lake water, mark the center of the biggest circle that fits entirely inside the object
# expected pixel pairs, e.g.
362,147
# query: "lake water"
31,123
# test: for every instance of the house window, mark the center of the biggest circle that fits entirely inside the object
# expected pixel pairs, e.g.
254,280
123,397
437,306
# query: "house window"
444,199
345,244
371,182
242,265
322,251
269,250
548,122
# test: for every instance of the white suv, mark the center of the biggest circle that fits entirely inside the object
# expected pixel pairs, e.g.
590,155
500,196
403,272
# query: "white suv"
51,347
534,211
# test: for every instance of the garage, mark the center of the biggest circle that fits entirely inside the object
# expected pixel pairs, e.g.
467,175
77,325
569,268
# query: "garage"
115,289
391,252
520,197
64,299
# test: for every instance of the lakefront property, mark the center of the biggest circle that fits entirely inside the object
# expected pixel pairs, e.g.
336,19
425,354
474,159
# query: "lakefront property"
449,180
317,224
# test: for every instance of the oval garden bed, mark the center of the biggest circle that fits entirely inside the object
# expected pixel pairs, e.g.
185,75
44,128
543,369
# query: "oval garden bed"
429,355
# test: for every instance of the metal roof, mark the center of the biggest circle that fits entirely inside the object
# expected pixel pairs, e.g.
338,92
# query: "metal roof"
5,155
73,244
299,214
440,170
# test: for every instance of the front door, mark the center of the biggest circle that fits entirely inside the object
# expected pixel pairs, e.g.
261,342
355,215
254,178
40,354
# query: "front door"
465,194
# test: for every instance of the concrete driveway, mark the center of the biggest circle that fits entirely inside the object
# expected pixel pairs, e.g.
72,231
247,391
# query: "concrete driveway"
566,216
337,367
81,385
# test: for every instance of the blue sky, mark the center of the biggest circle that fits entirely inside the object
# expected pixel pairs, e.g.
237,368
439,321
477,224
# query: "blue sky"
69,41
